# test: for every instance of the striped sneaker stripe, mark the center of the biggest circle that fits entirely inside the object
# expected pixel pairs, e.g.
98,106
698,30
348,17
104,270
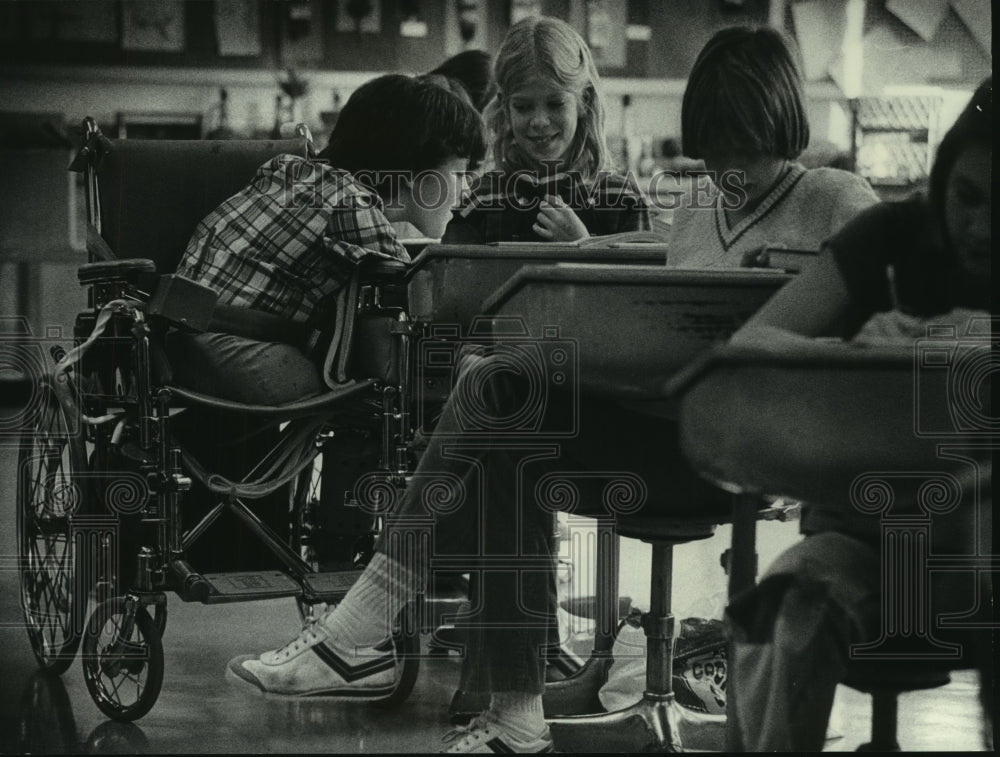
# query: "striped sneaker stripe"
356,672
499,746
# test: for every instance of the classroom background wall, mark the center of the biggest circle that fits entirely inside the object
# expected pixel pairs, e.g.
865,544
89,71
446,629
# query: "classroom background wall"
157,69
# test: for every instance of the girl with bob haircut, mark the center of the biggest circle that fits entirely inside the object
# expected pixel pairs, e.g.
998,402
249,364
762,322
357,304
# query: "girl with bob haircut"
742,114
884,278
745,95
550,180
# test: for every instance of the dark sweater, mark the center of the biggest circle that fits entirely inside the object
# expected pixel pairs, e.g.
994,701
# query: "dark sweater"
504,206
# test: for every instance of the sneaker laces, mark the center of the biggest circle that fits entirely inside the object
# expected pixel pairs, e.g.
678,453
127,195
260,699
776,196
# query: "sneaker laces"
307,636
477,730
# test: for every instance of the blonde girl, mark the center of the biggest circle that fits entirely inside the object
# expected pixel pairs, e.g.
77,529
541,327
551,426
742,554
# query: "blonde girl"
551,181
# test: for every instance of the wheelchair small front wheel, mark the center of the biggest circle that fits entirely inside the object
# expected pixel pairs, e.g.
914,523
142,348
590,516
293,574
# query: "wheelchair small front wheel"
160,619
122,659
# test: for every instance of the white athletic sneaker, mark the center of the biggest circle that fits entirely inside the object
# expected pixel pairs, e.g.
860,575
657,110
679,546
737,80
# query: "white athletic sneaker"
310,666
485,736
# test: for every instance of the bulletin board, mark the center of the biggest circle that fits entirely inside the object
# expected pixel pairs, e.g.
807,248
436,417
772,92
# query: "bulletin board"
630,38
350,35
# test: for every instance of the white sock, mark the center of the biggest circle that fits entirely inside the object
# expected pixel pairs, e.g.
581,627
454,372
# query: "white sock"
365,616
519,713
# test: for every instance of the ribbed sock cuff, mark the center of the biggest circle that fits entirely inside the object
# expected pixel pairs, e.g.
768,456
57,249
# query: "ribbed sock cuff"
366,614
519,713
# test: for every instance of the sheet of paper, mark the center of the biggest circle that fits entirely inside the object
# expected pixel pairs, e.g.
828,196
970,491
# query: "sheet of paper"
977,15
923,16
153,26
819,29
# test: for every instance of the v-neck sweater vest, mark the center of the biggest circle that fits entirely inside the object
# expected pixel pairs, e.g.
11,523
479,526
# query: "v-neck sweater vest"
800,212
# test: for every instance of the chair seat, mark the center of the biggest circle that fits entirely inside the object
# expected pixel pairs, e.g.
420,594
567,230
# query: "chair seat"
328,401
657,528
875,676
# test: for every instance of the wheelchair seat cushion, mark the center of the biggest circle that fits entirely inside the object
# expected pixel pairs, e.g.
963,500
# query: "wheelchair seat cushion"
242,370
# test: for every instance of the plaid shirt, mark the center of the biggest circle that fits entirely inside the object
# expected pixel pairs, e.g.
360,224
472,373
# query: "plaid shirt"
288,242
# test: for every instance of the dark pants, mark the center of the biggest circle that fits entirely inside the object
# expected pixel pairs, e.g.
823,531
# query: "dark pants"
243,370
487,487
792,638
231,444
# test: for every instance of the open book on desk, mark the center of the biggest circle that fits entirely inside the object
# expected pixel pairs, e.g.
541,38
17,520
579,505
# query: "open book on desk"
625,239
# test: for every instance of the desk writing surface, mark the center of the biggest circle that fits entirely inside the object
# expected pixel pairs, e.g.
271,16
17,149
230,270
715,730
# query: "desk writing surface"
633,326
808,422
448,283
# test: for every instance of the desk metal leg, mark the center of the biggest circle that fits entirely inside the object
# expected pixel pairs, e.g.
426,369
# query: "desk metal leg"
577,694
742,576
652,724
743,554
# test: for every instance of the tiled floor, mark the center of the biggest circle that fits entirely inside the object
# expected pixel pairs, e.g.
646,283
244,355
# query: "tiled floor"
199,711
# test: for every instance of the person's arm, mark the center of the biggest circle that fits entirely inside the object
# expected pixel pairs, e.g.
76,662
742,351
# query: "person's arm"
812,304
557,222
856,196
840,289
357,231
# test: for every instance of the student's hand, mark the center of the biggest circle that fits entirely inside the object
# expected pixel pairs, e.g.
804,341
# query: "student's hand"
894,327
759,257
556,222
770,339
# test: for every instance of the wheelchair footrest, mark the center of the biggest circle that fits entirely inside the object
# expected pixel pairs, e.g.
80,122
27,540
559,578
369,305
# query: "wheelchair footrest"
249,586
330,586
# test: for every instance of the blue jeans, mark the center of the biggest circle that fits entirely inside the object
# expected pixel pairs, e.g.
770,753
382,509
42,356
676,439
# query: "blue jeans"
230,444
484,495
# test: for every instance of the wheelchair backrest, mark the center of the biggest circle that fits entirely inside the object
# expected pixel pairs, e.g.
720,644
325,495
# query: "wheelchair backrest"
152,193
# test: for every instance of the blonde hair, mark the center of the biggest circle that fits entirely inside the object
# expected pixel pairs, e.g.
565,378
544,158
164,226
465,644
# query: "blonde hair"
547,47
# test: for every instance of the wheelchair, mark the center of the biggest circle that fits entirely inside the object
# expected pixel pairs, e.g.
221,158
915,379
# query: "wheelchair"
104,485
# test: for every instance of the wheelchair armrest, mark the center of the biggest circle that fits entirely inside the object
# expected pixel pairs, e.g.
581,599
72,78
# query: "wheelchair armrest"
183,302
375,270
129,270
112,279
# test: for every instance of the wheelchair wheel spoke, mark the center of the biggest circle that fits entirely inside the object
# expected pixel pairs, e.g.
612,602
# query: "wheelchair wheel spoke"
48,492
123,672
116,686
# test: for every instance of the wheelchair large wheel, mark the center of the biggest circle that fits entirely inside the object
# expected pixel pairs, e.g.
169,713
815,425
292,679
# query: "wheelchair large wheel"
122,660
50,488
45,722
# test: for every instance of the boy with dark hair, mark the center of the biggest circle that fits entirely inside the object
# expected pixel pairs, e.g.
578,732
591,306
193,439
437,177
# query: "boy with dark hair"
284,246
